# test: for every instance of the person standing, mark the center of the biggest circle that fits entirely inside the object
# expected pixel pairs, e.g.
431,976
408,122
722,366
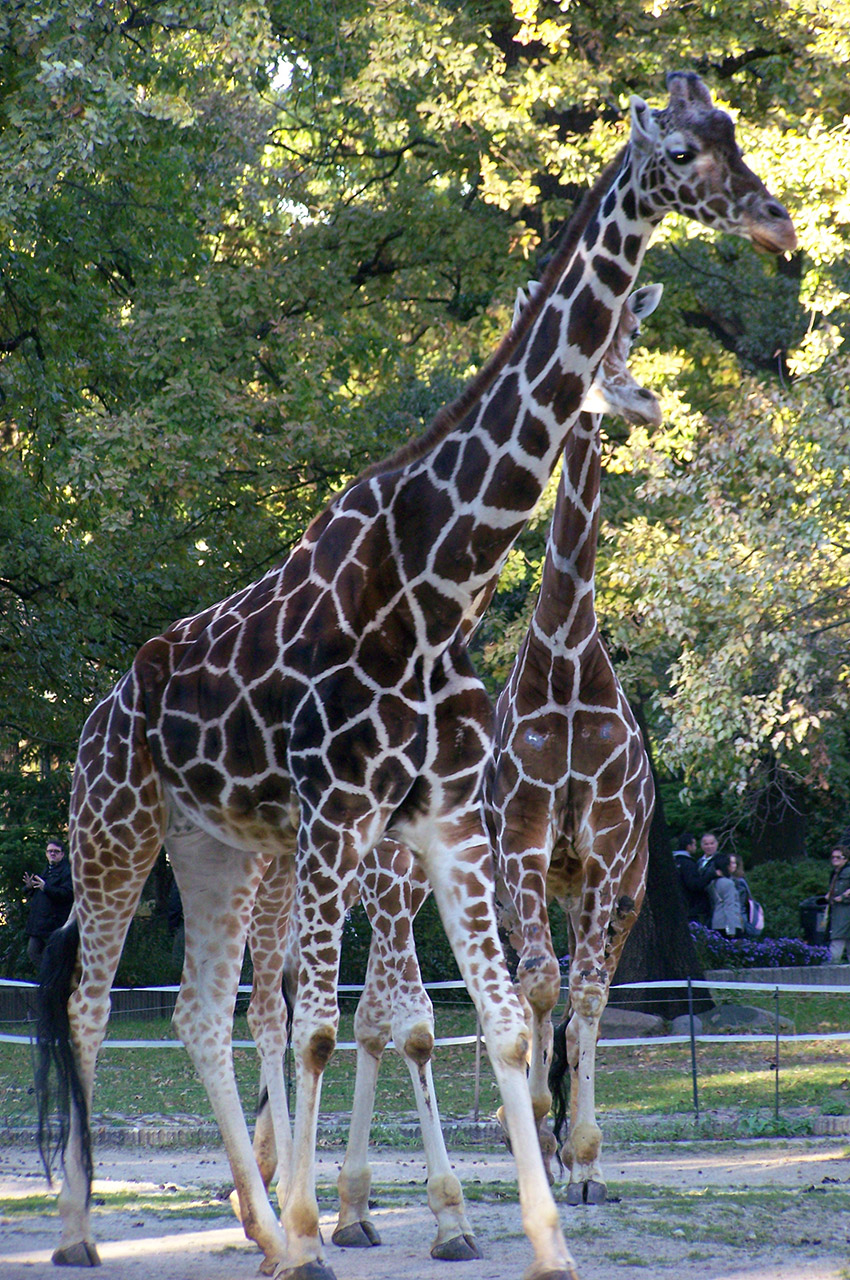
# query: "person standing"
708,846
53,897
752,911
726,914
838,903
694,879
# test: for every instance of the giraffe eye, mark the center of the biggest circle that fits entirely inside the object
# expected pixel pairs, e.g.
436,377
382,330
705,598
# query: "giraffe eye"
682,155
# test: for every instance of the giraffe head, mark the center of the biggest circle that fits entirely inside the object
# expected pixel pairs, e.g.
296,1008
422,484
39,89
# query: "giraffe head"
692,164
614,390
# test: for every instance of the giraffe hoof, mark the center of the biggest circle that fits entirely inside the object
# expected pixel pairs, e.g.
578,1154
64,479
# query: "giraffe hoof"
458,1249
82,1254
356,1235
595,1192
569,1274
590,1192
314,1270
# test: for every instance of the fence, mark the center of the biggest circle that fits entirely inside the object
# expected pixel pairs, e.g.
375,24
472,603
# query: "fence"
158,1002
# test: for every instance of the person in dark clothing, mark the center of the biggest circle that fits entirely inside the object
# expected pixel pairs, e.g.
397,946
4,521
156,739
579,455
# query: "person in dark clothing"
694,879
53,897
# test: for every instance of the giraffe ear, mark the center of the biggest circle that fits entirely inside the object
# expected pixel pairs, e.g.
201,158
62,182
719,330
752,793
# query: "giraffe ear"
644,301
686,88
644,128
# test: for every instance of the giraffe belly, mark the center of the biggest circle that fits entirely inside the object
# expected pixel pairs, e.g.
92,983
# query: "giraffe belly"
263,829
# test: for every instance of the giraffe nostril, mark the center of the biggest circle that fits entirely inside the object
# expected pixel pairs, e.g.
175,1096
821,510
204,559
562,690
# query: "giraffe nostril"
775,210
644,394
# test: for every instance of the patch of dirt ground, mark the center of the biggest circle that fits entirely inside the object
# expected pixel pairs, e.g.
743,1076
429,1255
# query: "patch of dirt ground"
753,1210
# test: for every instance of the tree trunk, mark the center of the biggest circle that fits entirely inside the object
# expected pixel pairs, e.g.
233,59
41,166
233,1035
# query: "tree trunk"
659,947
779,824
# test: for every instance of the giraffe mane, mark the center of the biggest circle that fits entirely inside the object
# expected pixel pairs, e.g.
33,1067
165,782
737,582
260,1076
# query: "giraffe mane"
450,415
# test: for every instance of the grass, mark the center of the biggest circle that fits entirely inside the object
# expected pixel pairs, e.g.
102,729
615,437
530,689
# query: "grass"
634,1082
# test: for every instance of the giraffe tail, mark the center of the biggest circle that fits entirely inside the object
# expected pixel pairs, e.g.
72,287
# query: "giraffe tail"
57,1081
559,1079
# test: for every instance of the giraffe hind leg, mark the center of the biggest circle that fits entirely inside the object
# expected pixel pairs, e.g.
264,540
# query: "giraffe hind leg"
218,885
110,870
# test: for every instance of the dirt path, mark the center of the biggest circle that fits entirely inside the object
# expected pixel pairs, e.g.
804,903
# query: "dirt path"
748,1211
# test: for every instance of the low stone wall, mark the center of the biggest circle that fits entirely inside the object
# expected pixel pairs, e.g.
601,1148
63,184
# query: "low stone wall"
820,975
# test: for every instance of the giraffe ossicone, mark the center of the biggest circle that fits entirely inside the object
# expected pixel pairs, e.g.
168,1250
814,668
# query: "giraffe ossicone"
337,683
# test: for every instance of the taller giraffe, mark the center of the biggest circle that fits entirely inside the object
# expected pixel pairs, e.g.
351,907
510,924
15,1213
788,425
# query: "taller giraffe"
329,682
394,1001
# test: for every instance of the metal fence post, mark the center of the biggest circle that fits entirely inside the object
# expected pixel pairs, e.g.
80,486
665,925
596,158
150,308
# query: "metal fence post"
776,1083
477,1091
693,1047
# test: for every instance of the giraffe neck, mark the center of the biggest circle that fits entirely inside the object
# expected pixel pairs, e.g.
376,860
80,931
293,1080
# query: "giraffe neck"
483,479
565,603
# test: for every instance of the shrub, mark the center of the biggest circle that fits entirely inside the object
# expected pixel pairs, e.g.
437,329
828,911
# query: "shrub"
716,951
780,887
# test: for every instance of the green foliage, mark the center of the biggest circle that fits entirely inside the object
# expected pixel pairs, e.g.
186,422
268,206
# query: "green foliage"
246,249
147,959
781,886
33,808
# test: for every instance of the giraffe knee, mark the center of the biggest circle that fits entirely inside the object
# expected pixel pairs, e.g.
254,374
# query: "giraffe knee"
320,1046
589,999
419,1044
539,975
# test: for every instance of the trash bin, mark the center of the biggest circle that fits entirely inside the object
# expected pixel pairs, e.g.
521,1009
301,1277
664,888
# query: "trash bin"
813,921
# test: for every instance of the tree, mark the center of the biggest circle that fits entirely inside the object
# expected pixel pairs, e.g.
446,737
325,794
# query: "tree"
659,947
244,249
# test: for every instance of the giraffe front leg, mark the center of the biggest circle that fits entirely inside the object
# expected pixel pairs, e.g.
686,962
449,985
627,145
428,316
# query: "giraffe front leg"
461,878
525,915
325,888
455,1241
394,1000
538,1084
354,1228
601,928
580,1153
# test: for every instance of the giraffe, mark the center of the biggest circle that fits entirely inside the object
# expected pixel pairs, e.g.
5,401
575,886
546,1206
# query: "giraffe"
394,1002
569,794
335,683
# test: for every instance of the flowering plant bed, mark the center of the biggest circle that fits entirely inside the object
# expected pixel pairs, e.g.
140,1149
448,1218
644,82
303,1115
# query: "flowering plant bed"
716,951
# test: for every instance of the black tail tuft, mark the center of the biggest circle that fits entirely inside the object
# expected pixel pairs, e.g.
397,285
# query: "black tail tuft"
57,1080
559,1079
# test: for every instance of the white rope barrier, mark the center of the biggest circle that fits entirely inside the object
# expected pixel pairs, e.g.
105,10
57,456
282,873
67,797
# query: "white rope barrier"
605,1043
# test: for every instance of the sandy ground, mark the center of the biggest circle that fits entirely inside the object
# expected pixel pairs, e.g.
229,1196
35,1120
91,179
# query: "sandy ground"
775,1210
